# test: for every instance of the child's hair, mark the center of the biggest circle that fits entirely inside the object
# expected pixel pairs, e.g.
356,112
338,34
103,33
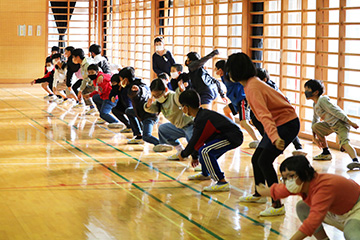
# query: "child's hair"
190,98
115,78
164,76
93,67
193,56
300,165
94,48
127,72
262,73
48,60
56,55
159,39
220,65
240,67
70,49
55,48
157,85
315,85
79,52
178,67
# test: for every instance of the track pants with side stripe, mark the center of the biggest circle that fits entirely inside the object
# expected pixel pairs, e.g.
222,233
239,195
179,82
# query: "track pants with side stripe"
208,156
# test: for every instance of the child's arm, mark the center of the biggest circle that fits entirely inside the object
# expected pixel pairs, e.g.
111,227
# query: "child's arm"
334,110
150,106
194,65
155,65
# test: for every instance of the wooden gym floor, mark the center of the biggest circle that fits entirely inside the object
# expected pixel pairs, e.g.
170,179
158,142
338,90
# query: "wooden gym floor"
64,177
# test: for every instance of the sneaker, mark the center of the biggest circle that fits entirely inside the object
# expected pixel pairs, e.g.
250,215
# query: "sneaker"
323,157
59,101
353,165
175,156
52,98
254,144
217,188
197,168
126,130
79,105
271,211
115,125
162,148
135,141
47,97
91,111
252,199
299,152
199,176
100,121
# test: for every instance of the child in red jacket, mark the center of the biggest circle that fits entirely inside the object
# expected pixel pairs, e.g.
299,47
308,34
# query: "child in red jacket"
100,96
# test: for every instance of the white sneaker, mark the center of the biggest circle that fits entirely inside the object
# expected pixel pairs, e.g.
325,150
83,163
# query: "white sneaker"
135,141
324,157
126,130
59,101
100,121
79,105
299,152
254,144
52,98
217,188
162,148
114,125
175,156
91,111
252,199
197,168
199,176
353,165
271,211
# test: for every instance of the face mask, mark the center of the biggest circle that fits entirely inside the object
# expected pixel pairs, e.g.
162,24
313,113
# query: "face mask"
123,84
308,94
49,69
159,48
174,75
161,99
92,76
292,186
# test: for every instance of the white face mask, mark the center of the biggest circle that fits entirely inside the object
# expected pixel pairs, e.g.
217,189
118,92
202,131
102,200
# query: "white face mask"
159,48
292,186
174,75
49,69
123,84
161,99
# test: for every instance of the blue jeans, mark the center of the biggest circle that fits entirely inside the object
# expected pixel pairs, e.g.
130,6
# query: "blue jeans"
148,125
104,107
169,134
134,121
143,128
208,156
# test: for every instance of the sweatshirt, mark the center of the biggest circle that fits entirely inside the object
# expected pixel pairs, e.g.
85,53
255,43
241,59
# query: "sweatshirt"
210,125
328,112
327,193
171,109
84,73
270,107
104,88
103,63
162,64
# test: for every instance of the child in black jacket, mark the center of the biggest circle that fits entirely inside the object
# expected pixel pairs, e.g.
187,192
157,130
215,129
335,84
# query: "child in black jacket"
213,135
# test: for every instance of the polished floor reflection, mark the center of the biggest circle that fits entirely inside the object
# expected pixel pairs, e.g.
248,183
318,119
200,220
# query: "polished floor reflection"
64,177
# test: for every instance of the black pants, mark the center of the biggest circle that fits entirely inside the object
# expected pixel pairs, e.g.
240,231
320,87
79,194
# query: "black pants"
119,112
76,86
261,130
266,153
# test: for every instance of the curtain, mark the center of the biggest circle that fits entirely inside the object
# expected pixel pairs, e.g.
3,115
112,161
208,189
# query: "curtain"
60,11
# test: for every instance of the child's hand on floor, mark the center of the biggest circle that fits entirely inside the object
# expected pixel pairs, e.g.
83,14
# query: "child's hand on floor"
194,162
32,82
